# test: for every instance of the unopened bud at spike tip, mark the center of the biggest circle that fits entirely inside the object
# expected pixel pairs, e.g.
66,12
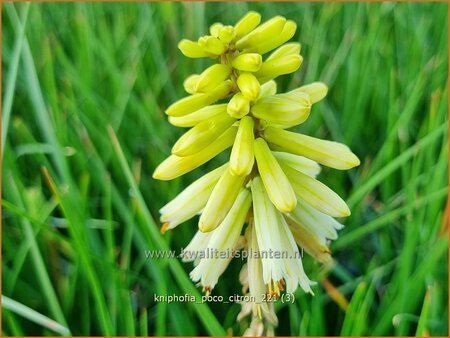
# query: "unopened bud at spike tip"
263,33
292,48
226,34
248,23
215,28
276,39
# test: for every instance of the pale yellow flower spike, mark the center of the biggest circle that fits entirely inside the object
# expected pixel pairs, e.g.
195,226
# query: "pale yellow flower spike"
275,181
270,179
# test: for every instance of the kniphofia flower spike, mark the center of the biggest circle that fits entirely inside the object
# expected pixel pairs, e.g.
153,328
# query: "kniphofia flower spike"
266,197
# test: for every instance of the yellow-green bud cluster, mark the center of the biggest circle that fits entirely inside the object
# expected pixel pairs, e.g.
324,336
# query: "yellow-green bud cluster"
270,180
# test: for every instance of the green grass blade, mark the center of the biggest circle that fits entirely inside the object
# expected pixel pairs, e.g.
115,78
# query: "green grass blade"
8,96
34,316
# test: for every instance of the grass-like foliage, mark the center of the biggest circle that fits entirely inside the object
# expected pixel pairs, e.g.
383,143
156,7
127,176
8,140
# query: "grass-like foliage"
84,90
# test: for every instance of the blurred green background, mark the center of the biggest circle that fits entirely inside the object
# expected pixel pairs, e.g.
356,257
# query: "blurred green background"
79,206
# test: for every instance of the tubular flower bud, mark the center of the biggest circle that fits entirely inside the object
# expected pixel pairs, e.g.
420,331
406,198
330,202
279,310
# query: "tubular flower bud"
197,244
272,233
309,217
192,49
316,194
198,116
254,267
212,77
316,91
277,184
201,135
248,23
292,48
175,166
268,89
263,33
273,68
249,86
248,62
224,238
332,154
190,201
312,229
309,242
284,109
242,155
287,207
238,106
195,102
300,163
220,201
275,40
190,84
